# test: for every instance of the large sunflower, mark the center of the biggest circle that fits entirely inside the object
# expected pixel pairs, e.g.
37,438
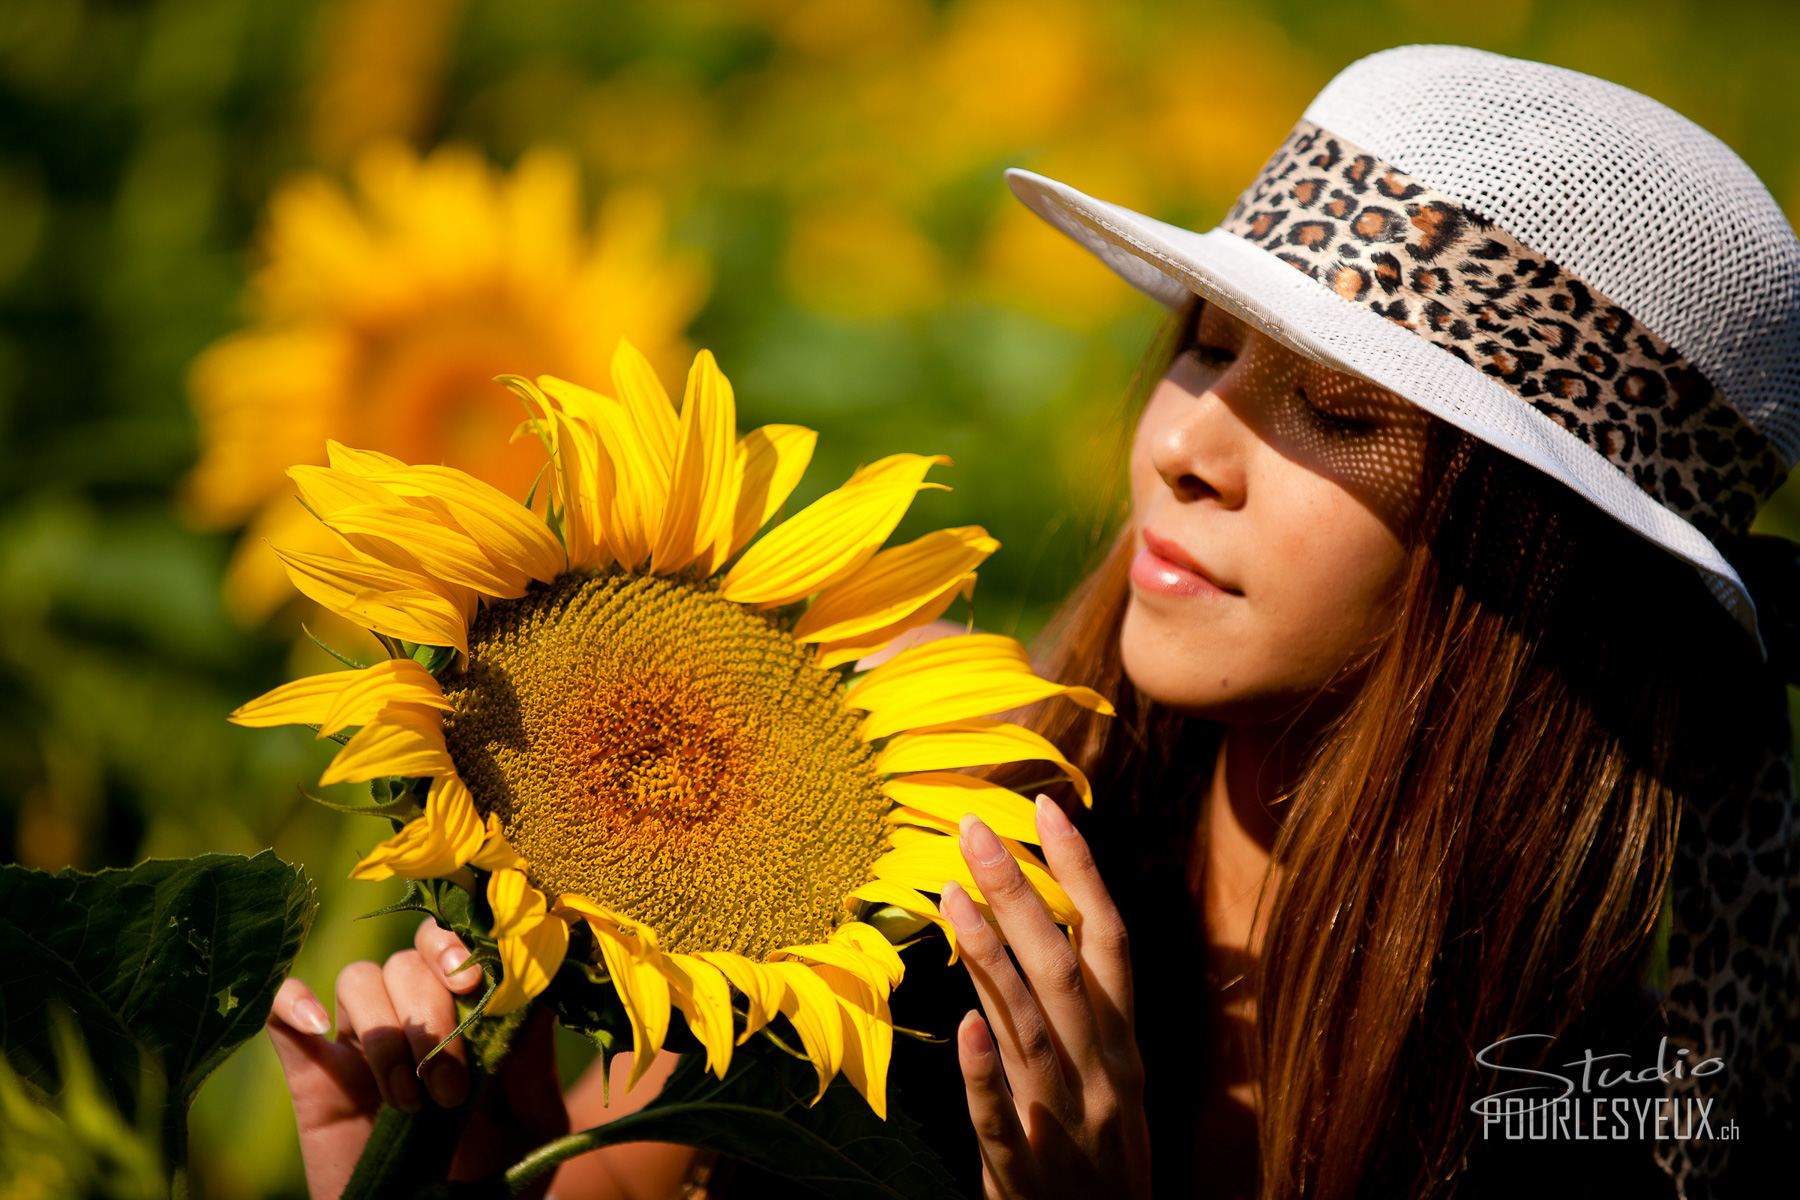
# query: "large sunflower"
383,311
642,722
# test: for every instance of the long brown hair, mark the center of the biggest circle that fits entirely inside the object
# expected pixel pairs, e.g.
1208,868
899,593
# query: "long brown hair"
1479,844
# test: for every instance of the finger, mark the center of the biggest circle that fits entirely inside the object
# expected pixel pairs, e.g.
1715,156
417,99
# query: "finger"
1027,1046
445,952
1006,1158
427,1013
1100,939
366,1020
1049,962
328,1082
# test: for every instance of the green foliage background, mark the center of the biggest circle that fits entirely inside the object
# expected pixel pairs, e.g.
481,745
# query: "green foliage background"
139,143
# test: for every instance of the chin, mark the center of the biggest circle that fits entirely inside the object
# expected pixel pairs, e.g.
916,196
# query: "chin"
1199,675
1179,673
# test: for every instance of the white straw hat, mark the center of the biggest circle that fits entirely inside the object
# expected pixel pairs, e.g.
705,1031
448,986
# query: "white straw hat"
1563,267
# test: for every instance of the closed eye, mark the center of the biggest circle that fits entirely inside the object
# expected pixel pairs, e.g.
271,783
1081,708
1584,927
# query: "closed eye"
1212,355
1336,422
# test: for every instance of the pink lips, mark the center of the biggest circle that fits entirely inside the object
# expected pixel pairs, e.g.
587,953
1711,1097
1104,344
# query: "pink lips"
1162,566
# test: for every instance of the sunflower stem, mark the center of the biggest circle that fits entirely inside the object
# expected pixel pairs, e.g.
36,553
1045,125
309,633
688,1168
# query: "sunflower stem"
404,1148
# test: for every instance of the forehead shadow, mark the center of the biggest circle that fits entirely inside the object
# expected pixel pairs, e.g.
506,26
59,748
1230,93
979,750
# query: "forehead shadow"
1381,467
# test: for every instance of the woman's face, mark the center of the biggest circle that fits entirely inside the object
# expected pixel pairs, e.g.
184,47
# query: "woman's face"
1292,486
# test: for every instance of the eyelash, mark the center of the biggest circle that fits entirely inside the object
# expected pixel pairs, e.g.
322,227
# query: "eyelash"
1333,421
1218,356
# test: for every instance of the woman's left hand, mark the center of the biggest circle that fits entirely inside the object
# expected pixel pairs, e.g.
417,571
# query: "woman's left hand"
1066,1116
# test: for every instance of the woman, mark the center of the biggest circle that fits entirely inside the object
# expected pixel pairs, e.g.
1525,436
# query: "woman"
1437,641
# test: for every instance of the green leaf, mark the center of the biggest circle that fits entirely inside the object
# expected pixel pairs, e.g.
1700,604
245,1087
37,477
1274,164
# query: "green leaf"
173,961
759,1113
78,1143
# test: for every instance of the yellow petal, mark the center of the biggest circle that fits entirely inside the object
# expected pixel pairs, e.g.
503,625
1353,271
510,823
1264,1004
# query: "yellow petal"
953,679
895,583
495,852
443,552
844,957
358,462
517,905
770,461
509,533
582,474
398,603
886,891
338,699
761,988
832,536
925,863
325,490
403,739
701,504
868,1034
705,1000
643,990
868,941
528,963
450,804
808,1003
433,845
626,500
370,690
642,394
949,794
977,742
414,844
831,654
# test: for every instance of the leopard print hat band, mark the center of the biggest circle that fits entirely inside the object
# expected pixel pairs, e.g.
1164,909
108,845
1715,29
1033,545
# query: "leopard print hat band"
1376,236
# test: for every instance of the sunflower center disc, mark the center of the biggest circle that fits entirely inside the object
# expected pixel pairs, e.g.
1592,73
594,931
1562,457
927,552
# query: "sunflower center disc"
670,755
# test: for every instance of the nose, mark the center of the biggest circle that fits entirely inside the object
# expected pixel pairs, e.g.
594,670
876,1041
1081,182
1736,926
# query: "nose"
1198,446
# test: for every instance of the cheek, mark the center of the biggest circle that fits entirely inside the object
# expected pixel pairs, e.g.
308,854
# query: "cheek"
1328,571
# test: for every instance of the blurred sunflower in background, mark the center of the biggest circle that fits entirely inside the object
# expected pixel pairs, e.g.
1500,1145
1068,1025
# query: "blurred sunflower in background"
383,313
629,712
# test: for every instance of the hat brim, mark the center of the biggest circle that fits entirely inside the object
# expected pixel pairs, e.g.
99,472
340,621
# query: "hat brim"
1168,263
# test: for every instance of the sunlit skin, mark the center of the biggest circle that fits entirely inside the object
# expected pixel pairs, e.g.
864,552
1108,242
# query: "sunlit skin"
1292,484
1294,487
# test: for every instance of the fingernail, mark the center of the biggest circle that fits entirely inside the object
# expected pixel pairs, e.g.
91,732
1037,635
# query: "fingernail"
975,1034
445,1080
981,841
402,1090
1051,818
452,959
311,1016
958,907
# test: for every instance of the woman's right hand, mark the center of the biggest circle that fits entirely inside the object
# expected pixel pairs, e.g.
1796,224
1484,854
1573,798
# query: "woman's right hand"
389,1016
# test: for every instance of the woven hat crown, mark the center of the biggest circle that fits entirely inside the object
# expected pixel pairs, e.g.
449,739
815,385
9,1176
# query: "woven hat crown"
1616,188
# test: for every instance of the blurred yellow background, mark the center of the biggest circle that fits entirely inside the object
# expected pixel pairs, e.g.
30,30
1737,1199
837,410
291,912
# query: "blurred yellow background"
230,230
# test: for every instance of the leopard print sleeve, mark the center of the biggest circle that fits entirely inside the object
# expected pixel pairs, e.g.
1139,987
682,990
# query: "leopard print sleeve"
1734,977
